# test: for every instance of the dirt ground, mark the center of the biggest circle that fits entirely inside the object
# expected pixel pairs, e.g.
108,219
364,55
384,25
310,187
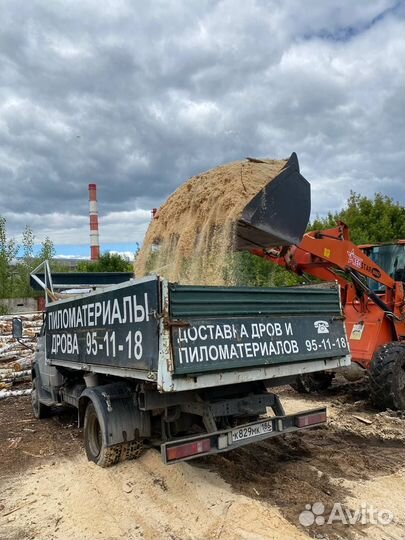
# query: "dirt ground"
48,490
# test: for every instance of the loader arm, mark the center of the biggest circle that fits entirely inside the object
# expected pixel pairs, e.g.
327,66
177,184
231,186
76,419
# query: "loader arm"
321,253
329,255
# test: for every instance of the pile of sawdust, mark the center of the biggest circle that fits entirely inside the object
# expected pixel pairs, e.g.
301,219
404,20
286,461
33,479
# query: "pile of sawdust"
74,499
193,237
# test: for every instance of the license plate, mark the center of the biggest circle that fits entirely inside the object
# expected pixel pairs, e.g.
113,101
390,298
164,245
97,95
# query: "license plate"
246,432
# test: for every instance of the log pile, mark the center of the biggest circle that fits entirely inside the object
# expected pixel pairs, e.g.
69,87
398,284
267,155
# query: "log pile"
15,356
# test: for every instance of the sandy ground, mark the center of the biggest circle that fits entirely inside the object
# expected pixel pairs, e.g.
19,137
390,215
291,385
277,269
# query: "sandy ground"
50,491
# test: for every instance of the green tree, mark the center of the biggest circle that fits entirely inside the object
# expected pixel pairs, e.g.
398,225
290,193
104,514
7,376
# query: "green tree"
27,244
380,219
108,262
15,272
249,270
25,264
8,253
47,251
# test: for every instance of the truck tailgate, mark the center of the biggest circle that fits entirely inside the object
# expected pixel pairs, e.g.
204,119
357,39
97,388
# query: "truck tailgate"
223,328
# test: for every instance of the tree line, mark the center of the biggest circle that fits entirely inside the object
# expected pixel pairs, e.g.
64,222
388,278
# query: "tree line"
370,221
14,272
18,260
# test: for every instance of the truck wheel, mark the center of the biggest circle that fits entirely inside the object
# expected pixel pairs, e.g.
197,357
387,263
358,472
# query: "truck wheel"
132,450
313,382
96,450
387,377
39,409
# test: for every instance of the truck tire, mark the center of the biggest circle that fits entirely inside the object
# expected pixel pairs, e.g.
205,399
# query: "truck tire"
131,450
96,450
387,377
313,382
39,410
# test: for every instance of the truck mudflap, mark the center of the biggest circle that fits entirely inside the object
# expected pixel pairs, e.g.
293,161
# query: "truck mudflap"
222,441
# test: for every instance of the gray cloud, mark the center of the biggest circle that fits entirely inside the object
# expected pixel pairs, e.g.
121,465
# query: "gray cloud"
139,96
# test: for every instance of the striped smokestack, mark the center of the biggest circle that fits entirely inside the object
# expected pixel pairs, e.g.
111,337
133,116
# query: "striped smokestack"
94,239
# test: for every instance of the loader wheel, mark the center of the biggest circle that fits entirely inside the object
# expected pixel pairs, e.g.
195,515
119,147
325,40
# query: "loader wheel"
313,382
387,377
39,409
96,450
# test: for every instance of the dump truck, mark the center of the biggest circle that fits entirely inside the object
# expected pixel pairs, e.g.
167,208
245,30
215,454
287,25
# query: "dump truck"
188,369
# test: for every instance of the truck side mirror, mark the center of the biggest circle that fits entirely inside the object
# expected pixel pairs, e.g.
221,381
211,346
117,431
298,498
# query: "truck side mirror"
17,327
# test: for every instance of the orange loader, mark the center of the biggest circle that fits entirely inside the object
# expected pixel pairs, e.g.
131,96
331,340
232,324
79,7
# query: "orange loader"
372,279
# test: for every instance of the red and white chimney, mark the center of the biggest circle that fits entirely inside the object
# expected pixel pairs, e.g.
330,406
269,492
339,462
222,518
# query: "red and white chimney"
94,239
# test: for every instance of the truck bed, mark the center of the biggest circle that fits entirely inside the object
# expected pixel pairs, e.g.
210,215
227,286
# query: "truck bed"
188,337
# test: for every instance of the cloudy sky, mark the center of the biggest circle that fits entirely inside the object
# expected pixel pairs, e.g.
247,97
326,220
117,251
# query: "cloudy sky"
138,96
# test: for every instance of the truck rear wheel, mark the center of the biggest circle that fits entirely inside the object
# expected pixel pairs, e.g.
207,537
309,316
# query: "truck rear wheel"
313,382
387,377
132,450
96,450
39,409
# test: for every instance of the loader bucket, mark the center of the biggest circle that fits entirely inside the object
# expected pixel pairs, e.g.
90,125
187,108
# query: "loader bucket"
278,215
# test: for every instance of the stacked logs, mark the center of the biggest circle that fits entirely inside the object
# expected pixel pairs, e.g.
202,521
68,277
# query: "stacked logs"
16,356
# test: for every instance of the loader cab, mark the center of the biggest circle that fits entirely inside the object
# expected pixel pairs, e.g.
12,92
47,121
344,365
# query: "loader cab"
390,258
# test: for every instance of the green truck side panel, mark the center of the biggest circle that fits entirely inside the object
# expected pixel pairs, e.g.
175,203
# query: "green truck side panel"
222,328
188,301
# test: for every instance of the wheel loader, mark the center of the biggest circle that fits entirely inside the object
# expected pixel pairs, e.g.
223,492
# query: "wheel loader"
372,279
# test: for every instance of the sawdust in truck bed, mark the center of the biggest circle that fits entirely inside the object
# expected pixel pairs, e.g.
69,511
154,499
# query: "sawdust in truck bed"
192,238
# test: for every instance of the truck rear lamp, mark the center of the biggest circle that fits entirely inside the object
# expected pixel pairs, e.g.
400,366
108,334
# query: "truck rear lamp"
189,449
310,419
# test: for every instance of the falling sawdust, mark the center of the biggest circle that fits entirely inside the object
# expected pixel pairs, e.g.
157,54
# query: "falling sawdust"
193,238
